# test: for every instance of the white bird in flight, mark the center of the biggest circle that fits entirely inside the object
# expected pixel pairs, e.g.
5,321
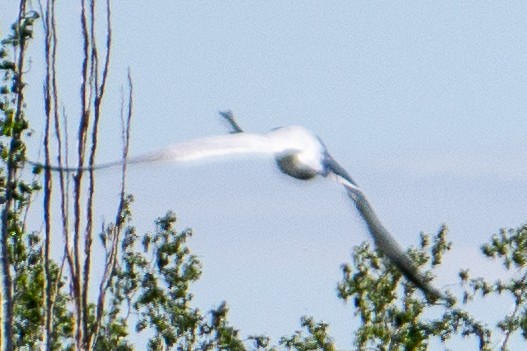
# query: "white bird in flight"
298,153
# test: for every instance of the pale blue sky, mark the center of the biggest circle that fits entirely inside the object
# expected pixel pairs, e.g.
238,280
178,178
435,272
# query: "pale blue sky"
423,102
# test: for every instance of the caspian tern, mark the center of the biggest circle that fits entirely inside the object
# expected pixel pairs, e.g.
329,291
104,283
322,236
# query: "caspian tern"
298,153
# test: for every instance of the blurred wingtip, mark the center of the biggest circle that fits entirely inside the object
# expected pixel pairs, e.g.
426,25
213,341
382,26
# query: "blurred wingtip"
229,116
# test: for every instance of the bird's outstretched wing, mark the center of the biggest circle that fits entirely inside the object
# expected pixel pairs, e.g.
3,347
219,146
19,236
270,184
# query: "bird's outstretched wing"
216,146
389,247
381,236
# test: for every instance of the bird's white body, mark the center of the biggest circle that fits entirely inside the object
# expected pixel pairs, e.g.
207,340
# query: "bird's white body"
306,146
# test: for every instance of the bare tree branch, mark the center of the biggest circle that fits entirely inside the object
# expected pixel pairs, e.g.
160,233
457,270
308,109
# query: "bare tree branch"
81,147
97,103
47,174
112,253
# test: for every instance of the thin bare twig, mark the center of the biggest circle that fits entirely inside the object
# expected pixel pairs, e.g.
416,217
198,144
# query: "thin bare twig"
518,303
47,175
111,256
92,81
51,110
97,103
83,127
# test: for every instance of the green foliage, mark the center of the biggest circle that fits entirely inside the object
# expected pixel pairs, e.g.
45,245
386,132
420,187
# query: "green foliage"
29,306
21,31
12,148
12,117
151,283
166,269
317,337
393,316
24,252
218,334
509,248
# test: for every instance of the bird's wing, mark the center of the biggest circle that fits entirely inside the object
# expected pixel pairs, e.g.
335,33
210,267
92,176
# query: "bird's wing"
381,236
197,149
388,246
216,146
338,172
229,116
